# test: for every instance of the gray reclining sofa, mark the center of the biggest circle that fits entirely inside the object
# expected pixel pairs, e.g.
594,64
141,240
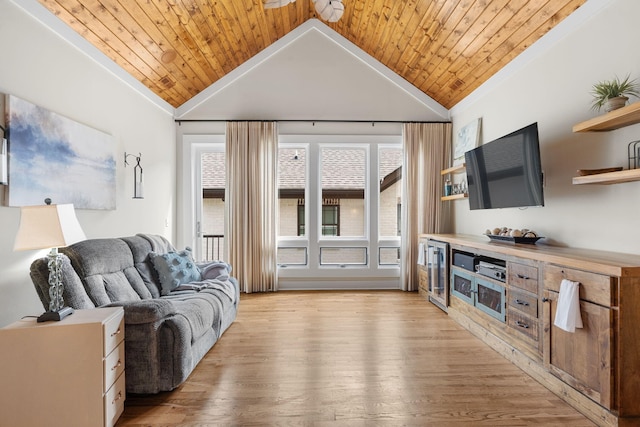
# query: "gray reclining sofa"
167,331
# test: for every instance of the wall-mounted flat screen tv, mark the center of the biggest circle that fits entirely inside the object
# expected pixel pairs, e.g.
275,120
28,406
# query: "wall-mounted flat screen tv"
506,172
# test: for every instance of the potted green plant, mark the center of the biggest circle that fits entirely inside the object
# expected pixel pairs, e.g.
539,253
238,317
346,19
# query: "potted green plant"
612,94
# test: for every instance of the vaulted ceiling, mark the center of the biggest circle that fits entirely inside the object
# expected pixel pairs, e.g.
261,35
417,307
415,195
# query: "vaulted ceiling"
445,48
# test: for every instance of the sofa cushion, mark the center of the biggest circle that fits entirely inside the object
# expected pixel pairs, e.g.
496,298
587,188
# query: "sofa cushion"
114,286
140,245
201,311
174,269
107,271
74,293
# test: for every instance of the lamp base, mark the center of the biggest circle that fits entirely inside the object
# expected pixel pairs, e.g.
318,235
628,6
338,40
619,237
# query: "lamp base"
55,315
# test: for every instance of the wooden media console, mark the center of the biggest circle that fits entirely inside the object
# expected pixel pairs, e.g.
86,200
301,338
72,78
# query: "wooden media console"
596,369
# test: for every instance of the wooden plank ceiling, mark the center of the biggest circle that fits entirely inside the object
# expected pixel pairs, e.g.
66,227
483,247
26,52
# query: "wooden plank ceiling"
446,48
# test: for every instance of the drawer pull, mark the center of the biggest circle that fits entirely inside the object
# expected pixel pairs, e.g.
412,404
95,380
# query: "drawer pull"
545,299
523,277
116,333
118,397
520,302
118,364
522,325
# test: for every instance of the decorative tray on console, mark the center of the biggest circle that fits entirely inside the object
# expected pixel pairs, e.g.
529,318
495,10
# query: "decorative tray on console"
510,239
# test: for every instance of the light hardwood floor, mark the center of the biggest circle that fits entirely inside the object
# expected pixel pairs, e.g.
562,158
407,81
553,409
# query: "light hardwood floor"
359,358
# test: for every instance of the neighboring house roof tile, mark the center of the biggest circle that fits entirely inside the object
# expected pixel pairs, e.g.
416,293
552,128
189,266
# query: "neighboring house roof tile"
345,172
213,170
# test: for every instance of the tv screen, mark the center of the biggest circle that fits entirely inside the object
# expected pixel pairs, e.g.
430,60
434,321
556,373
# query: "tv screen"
506,172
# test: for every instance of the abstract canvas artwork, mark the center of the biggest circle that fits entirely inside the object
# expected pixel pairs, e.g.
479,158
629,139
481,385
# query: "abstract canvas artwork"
468,138
51,156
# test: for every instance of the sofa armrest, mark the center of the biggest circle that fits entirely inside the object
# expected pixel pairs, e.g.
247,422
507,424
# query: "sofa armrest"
157,344
145,311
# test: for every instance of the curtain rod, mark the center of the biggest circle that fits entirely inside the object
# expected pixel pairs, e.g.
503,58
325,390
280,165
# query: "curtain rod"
179,121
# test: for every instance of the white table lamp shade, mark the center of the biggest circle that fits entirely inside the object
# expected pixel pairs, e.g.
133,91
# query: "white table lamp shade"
47,226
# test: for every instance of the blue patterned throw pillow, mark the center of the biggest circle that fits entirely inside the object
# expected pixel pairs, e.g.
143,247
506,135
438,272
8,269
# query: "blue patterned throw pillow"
175,269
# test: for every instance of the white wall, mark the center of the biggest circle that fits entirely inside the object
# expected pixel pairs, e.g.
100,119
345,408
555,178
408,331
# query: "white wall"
38,66
312,73
553,90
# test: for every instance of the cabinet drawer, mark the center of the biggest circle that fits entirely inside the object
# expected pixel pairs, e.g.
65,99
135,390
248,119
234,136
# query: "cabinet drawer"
524,302
114,402
113,366
593,287
523,276
524,324
113,333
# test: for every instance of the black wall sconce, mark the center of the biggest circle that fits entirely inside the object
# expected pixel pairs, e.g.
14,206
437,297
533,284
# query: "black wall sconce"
3,159
137,175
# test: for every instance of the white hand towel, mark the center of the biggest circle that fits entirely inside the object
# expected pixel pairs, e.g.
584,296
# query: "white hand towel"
421,257
568,310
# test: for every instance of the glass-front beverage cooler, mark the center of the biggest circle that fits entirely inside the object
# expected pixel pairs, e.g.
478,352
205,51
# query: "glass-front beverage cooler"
438,265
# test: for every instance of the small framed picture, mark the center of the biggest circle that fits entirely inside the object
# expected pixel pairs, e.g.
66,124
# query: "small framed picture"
468,137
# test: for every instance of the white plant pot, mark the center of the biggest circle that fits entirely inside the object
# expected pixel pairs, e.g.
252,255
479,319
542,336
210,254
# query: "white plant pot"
615,103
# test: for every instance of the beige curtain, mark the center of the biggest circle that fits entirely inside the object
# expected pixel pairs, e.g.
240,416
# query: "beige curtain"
427,150
251,203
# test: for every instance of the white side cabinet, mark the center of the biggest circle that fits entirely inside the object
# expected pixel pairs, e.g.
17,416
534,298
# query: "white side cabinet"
66,373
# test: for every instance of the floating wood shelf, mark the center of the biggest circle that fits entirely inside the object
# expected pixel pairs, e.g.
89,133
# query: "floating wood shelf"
454,169
455,197
618,177
625,116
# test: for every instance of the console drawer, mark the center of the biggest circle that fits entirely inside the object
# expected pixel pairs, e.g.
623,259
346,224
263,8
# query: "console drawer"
524,324
113,366
596,288
523,276
114,402
113,333
524,302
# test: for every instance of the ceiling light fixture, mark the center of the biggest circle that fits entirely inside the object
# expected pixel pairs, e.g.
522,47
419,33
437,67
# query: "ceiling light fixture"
272,4
329,10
